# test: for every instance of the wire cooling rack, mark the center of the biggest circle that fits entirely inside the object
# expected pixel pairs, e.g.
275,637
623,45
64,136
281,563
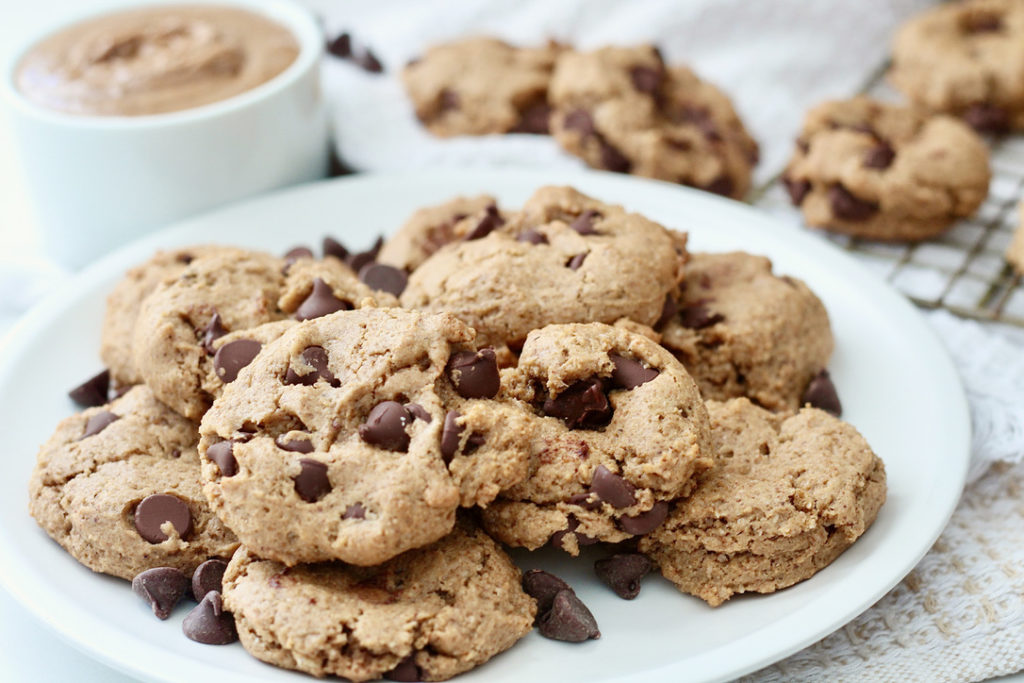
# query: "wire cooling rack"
963,270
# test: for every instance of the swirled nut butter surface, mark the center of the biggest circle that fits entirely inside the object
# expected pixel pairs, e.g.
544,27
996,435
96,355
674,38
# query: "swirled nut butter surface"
154,60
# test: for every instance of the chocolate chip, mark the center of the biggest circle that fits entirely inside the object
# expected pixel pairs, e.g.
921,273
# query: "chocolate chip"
582,405
357,260
696,316
981,22
222,455
354,511
406,671
587,501
385,426
580,121
821,393
797,189
311,483
629,373
612,159
543,587
987,118
880,156
341,46
97,423
584,224
532,236
208,623
296,253
368,61
645,79
209,576
582,539
576,261
622,573
333,247
448,100
486,225
162,588
568,620
418,412
849,207
233,356
474,373
154,511
294,445
668,310
451,432
316,358
721,185
534,119
612,488
384,278
320,302
213,331
645,522
93,391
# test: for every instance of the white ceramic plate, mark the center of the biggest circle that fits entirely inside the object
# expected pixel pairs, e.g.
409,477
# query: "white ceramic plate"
897,385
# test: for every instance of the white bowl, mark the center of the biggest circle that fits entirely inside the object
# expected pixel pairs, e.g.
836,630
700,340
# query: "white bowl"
100,181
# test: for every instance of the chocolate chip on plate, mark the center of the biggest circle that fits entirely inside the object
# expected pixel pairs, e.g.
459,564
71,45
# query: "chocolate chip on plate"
622,573
341,46
222,455
568,620
98,422
612,488
821,393
543,586
311,483
208,623
629,373
162,588
384,278
320,302
93,391
385,426
233,356
368,61
209,576
154,511
474,373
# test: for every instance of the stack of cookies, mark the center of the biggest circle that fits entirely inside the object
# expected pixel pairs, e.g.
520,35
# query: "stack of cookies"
328,454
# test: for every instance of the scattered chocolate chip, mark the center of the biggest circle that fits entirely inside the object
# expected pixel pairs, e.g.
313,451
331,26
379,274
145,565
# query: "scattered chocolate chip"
474,374
311,483
849,207
233,356
668,311
418,412
384,278
612,159
296,253
293,445
451,432
622,573
587,501
491,221
357,260
582,405
93,391
580,121
629,373
576,261
880,156
213,331
209,576
532,236
696,316
543,587
341,47
797,189
333,247
154,511
987,118
208,623
320,302
385,426
568,620
406,671
316,358
722,185
821,393
222,455
368,61
645,522
448,100
645,79
612,488
354,511
162,588
97,423
584,223
534,119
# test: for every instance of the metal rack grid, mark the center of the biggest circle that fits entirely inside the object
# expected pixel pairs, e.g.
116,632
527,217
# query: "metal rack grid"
963,270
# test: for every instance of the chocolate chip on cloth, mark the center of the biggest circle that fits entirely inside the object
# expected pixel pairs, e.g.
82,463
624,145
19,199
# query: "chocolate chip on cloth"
434,612
321,425
788,493
622,109
741,330
620,431
127,498
504,287
886,172
478,86
963,59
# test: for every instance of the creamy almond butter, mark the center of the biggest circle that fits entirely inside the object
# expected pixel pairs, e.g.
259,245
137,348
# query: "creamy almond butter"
154,60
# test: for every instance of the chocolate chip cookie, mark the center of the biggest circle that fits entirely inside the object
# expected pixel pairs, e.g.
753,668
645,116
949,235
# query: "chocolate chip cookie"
740,330
886,172
479,86
788,493
118,488
428,614
564,257
622,109
966,59
355,436
620,432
